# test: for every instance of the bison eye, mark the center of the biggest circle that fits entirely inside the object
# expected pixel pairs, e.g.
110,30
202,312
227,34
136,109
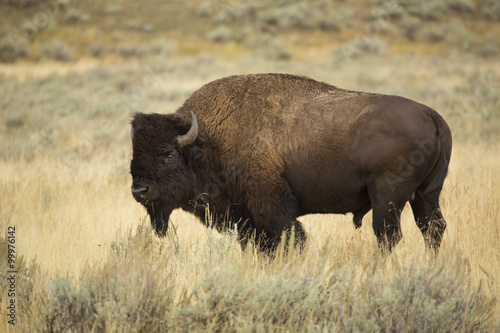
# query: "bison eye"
166,157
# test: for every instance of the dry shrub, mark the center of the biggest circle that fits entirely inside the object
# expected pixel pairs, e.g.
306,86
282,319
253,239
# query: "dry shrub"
127,293
137,290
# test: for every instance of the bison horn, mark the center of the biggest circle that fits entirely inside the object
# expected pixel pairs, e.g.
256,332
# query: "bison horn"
190,136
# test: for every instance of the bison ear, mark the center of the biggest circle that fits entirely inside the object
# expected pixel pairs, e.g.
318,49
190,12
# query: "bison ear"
132,133
196,157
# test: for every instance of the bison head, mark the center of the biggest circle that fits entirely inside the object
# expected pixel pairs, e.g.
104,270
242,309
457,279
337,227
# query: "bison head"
162,175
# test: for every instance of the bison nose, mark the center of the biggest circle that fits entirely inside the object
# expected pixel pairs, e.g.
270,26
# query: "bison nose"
140,191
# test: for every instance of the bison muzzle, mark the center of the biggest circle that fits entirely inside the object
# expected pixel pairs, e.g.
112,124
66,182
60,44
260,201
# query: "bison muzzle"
258,151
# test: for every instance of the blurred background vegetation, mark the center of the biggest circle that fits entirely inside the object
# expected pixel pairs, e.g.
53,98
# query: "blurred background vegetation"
446,50
68,30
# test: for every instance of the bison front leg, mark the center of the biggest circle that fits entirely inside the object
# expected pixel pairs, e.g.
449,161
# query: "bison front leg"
290,232
274,220
358,216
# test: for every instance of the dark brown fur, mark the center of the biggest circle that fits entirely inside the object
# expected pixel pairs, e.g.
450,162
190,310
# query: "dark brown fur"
272,147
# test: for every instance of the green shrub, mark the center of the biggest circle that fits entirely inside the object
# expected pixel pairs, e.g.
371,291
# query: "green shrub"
58,50
16,122
10,50
489,46
221,34
360,47
429,10
63,3
29,29
484,46
96,48
491,9
74,16
270,16
326,22
285,17
112,10
459,37
129,50
271,48
237,12
23,3
410,25
162,47
433,33
464,6
205,9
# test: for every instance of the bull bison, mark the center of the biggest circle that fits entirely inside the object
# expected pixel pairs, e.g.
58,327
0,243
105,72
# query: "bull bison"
257,151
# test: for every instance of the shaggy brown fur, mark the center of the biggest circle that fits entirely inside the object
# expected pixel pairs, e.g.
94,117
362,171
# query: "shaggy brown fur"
272,147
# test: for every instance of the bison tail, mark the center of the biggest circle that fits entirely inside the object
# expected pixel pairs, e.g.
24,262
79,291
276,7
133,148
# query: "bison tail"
443,142
443,135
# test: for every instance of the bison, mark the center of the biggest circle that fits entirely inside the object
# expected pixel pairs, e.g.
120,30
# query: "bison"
257,151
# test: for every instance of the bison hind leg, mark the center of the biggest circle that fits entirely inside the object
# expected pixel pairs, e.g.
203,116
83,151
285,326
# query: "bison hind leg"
429,219
267,241
387,225
387,205
425,206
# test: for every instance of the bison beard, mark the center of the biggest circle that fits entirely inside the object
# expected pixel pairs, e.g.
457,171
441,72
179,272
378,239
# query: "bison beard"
159,216
260,150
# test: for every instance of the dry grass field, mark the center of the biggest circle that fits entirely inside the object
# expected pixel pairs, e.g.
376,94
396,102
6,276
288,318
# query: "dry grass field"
86,258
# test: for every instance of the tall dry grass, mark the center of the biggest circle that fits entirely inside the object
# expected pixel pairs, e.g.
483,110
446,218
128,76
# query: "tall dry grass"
78,236
68,220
